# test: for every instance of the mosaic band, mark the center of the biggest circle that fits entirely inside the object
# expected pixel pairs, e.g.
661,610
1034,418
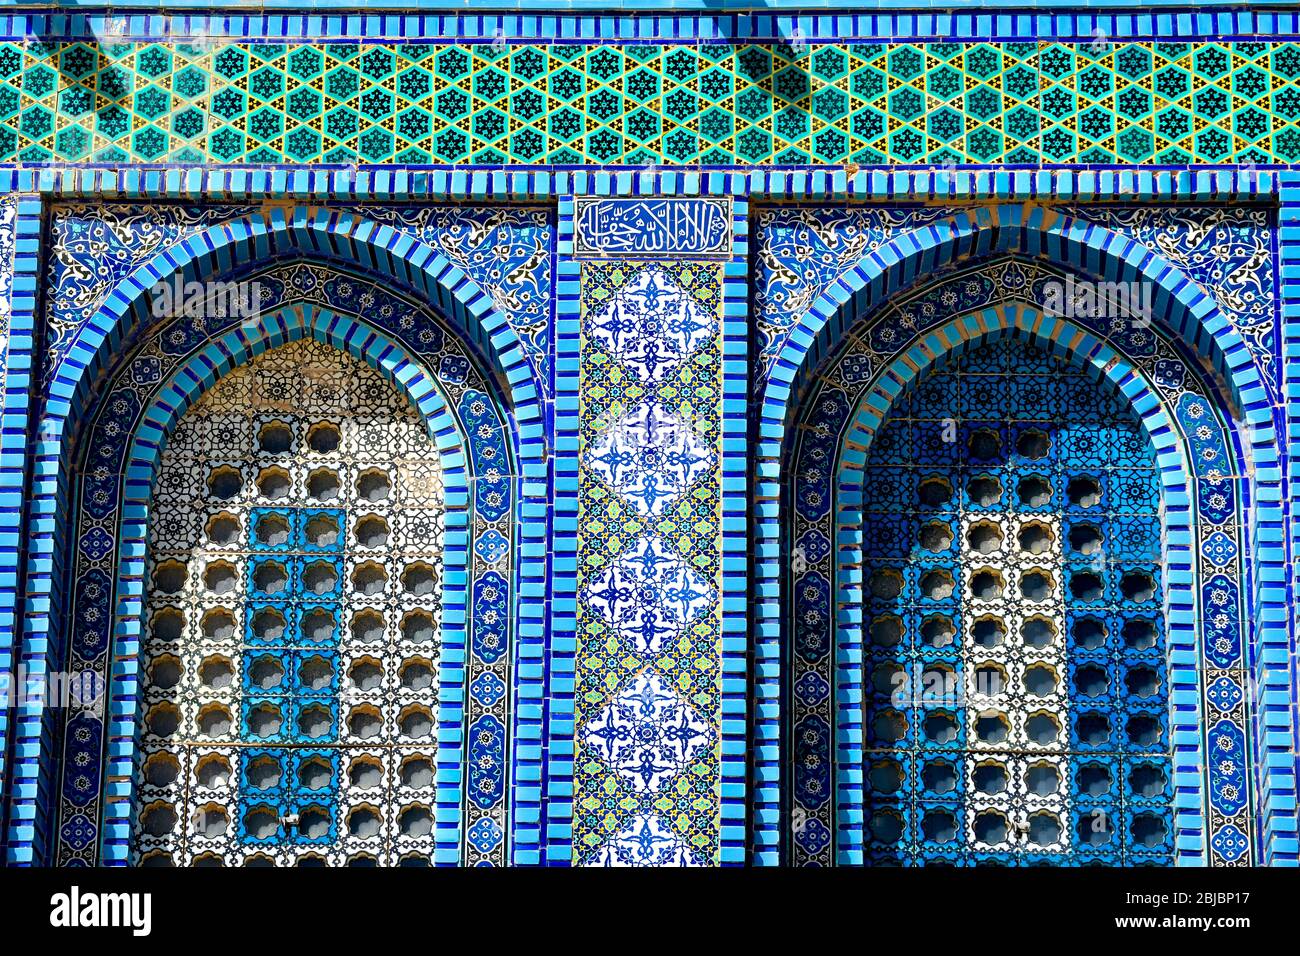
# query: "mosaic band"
1102,102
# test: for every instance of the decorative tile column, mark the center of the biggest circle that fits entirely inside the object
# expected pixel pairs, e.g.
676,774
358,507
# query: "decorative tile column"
651,407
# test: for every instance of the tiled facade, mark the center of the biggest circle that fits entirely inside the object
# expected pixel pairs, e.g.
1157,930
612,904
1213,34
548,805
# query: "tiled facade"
729,456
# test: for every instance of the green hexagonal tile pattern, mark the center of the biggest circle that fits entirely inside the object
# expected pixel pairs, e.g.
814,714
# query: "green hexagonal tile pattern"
639,105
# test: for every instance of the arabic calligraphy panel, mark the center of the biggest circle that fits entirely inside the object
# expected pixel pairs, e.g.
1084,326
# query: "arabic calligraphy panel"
695,227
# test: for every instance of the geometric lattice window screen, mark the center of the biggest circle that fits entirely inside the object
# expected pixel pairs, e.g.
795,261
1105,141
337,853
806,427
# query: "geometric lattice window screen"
1017,707
292,641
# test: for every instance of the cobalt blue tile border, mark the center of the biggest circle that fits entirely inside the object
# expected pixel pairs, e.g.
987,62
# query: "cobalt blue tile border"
537,557
21,249
689,22
1278,738
229,184
564,547
736,369
12,463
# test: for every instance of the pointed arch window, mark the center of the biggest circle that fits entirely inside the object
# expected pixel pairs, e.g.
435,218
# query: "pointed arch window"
1016,695
291,651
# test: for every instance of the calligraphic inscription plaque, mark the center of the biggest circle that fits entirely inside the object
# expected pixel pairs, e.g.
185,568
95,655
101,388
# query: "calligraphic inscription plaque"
651,227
